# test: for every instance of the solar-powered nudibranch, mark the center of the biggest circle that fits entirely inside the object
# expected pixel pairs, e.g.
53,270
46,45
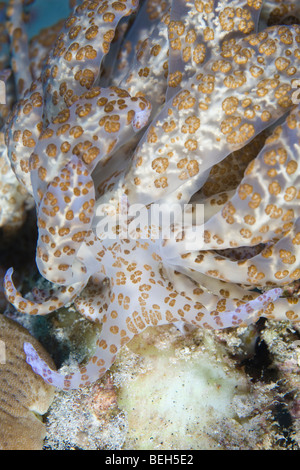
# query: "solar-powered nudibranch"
162,114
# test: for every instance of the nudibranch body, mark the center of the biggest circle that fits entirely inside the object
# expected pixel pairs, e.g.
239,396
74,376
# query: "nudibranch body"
179,108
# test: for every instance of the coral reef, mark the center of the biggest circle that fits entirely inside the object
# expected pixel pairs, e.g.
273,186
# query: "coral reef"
23,394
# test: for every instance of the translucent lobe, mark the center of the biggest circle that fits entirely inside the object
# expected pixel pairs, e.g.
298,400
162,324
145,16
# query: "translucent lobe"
94,302
64,220
227,174
79,49
19,42
92,129
276,264
197,31
23,129
266,201
145,27
147,76
280,12
221,110
58,297
4,48
2,89
262,214
40,47
14,198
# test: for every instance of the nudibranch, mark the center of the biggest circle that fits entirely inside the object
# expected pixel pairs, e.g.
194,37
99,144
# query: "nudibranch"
197,90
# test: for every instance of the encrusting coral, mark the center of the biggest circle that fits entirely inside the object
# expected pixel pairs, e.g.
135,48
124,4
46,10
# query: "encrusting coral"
23,394
94,148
